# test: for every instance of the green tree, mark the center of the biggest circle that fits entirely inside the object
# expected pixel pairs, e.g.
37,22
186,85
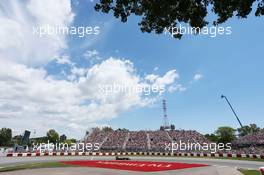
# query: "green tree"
248,129
39,139
73,140
156,15
63,137
16,139
226,134
107,129
70,141
212,137
5,137
52,136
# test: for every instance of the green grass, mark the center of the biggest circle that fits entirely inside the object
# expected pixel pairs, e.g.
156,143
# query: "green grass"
34,166
249,172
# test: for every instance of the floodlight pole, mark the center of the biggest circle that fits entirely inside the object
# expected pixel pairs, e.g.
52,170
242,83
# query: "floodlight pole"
222,96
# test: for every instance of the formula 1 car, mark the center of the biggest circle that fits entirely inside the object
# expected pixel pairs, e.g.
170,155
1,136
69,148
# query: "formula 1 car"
122,158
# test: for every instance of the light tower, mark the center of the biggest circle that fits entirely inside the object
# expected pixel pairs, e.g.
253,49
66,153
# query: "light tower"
222,96
165,117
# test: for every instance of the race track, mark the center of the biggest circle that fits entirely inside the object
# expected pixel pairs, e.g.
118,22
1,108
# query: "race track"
4,161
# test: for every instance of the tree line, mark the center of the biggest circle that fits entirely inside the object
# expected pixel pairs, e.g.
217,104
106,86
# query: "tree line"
226,134
52,136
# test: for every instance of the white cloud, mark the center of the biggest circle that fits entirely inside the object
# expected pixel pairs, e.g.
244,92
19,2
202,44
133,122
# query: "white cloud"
197,77
167,79
33,99
30,94
64,60
17,19
78,71
92,56
176,88
151,77
90,53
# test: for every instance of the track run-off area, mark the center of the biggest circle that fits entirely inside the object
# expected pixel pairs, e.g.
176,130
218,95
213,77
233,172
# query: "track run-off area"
246,164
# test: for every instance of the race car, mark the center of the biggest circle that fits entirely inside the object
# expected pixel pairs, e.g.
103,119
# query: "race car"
122,158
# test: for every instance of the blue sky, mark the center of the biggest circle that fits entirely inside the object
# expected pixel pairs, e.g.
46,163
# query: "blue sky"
228,64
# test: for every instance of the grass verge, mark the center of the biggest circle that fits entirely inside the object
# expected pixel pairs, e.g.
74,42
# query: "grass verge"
34,166
249,172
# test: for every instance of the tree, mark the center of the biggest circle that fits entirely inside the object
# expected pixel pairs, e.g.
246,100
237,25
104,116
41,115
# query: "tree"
5,137
225,134
63,137
68,142
248,129
39,140
17,139
157,15
107,129
212,137
52,136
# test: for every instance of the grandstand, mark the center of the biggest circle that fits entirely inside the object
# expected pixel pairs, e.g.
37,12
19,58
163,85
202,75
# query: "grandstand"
123,140
255,139
250,144
137,141
115,140
141,141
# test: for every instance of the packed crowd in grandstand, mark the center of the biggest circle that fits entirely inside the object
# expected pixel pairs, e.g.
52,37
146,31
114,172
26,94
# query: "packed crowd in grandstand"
250,144
255,139
155,141
123,140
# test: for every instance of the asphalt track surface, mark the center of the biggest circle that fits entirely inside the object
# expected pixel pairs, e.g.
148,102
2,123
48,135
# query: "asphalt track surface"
98,171
7,161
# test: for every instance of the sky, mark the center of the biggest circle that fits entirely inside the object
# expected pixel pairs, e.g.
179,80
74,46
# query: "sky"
58,80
